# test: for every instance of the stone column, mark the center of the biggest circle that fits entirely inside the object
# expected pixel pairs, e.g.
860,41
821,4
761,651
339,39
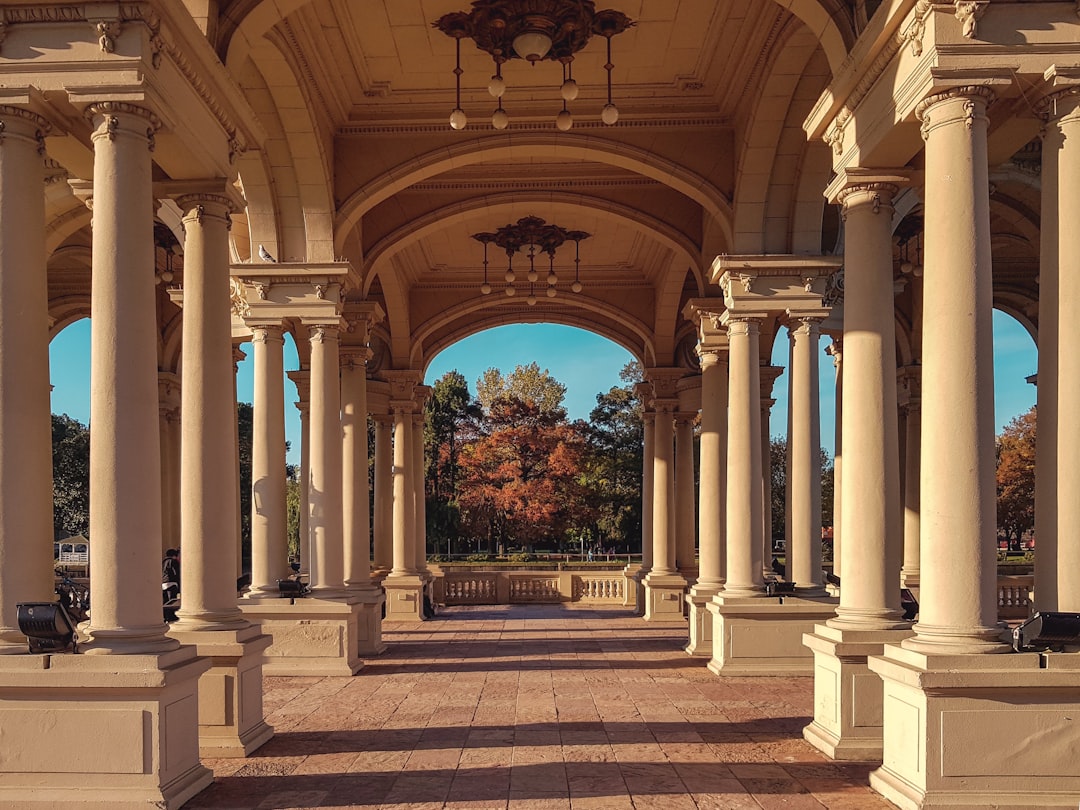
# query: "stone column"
804,446
25,428
404,496
649,422
958,607
711,511
870,516
663,513
302,380
419,489
1058,568
763,552
325,513
125,453
836,351
169,430
355,482
684,494
911,407
207,456
384,493
744,477
238,356
269,541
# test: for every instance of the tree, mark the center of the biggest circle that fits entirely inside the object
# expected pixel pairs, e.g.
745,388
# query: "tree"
71,476
615,435
450,420
244,417
525,383
522,481
778,482
1015,449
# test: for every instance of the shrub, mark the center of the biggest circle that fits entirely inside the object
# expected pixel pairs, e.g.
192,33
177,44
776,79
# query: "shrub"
522,557
480,558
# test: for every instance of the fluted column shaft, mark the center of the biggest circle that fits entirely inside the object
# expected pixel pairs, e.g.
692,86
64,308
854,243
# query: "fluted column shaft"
1063,136
25,431
958,592
804,443
870,504
125,501
663,512
384,492
269,542
744,464
355,481
647,502
208,496
684,492
420,503
325,513
404,496
713,443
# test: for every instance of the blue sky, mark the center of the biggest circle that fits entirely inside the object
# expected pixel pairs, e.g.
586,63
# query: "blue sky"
586,363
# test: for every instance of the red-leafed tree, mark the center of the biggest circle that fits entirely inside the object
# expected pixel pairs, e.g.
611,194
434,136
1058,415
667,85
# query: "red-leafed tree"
1016,478
522,482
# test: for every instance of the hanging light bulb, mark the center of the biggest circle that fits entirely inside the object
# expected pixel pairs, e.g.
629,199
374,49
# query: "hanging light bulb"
457,117
499,118
552,279
564,120
569,89
551,292
510,291
610,114
485,289
532,264
576,286
497,86
509,276
532,46
531,300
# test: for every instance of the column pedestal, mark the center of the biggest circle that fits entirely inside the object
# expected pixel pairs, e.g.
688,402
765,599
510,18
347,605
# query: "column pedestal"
230,693
763,635
701,621
994,730
370,603
131,746
847,695
631,574
664,594
311,636
404,598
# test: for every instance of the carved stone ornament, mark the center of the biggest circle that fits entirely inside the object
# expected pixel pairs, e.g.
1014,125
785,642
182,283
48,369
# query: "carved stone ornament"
240,305
968,13
834,289
107,32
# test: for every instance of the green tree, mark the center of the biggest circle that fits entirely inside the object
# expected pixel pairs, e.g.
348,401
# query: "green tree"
71,476
244,417
778,482
525,383
450,421
1015,449
615,435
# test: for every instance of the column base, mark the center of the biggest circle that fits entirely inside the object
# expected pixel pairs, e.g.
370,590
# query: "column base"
315,637
763,635
701,621
630,589
404,598
369,623
847,695
979,730
664,594
113,731
231,722
638,578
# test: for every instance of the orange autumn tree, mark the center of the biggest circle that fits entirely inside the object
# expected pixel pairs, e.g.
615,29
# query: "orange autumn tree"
1016,478
522,480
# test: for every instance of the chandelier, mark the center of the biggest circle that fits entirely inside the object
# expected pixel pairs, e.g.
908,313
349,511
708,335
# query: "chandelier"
533,30
530,237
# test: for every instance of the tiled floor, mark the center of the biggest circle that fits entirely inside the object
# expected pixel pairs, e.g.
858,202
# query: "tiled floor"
537,707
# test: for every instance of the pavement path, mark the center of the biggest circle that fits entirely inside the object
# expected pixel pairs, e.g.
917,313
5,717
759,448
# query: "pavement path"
537,706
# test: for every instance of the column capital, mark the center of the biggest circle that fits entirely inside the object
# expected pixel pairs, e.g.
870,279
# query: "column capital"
266,331
354,357
361,317
959,103
16,122
323,332
876,187
768,376
743,323
402,382
665,406
238,355
806,321
112,119
383,419
402,406
664,381
301,378
909,388
1062,93
684,418
421,394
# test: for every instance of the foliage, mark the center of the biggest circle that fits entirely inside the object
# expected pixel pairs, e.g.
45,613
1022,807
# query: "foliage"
245,419
450,419
526,384
522,557
71,476
778,483
1015,450
292,510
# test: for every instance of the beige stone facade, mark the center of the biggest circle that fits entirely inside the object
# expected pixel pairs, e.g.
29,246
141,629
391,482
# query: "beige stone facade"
875,175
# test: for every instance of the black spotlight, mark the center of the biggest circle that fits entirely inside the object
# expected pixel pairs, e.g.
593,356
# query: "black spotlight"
909,603
1047,631
46,626
292,588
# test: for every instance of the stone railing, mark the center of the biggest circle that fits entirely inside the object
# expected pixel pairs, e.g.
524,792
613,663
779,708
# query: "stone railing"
1014,596
523,587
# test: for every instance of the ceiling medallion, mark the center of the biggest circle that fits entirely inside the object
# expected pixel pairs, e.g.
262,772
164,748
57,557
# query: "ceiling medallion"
533,30
531,236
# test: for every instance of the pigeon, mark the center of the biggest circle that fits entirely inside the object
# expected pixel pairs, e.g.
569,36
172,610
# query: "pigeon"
265,255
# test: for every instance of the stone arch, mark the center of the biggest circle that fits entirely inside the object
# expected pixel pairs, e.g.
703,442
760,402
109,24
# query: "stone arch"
477,315
533,144
831,24
66,310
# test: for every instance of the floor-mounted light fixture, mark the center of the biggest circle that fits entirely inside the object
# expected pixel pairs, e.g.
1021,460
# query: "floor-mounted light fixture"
533,30
531,238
